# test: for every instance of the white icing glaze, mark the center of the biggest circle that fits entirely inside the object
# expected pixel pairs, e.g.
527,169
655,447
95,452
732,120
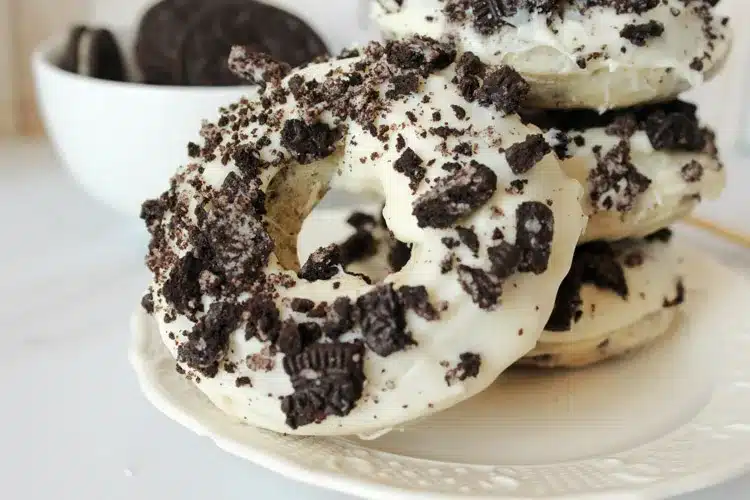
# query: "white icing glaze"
547,54
668,198
649,285
626,324
411,383
613,344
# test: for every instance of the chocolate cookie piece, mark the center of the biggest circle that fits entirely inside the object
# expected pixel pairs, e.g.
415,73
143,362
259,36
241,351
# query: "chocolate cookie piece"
158,40
94,52
208,37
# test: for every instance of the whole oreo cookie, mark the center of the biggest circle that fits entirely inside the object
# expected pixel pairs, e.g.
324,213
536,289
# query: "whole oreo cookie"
93,52
187,42
157,45
209,37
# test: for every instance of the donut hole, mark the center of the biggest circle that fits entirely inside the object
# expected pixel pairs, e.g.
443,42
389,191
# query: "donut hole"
291,196
354,222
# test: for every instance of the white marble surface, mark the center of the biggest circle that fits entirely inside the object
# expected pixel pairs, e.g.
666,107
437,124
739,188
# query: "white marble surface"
74,425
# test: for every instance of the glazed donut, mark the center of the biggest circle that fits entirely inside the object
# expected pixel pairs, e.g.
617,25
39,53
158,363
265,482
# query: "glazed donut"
617,297
489,215
642,168
597,54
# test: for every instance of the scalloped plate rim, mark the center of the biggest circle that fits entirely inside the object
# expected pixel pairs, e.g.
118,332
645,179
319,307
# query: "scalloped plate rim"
342,482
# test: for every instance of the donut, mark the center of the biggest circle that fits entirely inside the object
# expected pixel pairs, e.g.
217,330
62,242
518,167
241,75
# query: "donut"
305,348
93,52
617,298
597,54
642,168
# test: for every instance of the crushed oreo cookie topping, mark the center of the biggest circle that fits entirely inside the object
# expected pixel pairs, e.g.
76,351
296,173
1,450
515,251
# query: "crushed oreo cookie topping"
615,183
535,224
410,165
456,196
323,264
524,155
327,380
383,321
484,288
640,34
467,367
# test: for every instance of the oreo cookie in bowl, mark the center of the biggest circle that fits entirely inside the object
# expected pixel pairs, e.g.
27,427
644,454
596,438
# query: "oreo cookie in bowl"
119,104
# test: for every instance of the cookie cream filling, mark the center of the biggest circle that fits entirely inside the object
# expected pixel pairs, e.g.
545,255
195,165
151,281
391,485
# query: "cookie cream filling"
305,348
592,54
85,41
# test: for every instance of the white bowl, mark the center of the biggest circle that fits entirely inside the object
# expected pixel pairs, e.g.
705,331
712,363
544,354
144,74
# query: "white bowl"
121,141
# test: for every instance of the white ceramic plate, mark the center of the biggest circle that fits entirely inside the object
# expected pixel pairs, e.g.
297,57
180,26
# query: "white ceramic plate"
671,419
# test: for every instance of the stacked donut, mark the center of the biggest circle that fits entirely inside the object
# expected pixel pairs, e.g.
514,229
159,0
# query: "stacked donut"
604,79
302,346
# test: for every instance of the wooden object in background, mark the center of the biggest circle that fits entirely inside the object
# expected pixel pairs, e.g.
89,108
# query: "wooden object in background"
33,22
7,105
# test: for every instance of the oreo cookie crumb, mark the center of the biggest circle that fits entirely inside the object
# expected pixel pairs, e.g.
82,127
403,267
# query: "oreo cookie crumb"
455,196
535,224
193,150
243,382
327,380
420,53
147,302
308,143
450,243
323,264
524,155
640,34
208,341
615,183
623,126
517,186
601,268
301,305
256,67
677,130
339,318
568,308
679,298
410,164
484,288
467,367
264,319
464,148
398,255
505,89
692,172
417,299
383,321
504,258
403,85
469,238
458,111
182,289
263,361
289,341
